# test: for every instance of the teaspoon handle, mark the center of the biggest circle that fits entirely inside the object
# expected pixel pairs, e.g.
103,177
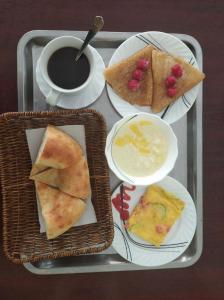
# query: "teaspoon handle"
88,38
96,26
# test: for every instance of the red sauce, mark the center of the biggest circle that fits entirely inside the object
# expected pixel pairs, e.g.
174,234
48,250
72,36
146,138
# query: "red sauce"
122,208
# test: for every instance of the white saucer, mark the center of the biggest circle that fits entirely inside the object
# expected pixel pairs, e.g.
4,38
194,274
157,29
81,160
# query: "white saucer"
89,95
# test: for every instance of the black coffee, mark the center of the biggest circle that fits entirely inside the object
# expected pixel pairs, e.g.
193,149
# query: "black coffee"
64,71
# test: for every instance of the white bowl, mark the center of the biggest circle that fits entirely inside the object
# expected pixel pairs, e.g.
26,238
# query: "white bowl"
165,168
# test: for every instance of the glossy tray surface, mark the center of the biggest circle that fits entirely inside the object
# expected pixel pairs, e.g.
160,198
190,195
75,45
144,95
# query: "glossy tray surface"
188,168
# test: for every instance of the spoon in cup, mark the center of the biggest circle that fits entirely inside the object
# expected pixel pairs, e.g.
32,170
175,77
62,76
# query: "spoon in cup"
97,25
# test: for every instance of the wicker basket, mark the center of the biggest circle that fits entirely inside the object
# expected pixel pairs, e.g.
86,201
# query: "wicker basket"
21,231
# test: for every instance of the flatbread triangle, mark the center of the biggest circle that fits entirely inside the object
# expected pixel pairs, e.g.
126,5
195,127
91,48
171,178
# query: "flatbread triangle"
59,210
58,150
73,180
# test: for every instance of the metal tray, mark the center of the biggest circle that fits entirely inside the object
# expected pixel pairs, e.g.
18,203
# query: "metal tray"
188,169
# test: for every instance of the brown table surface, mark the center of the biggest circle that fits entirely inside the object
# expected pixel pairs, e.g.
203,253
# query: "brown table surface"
205,21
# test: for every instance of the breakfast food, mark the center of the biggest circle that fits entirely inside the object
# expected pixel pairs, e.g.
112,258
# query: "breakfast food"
154,215
48,176
58,150
139,147
73,180
151,77
172,77
62,182
59,210
131,78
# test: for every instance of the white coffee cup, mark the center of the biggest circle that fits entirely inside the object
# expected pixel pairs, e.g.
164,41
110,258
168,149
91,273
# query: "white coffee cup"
65,41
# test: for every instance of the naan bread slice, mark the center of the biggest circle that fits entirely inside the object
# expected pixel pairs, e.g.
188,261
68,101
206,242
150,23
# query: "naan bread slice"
49,176
73,180
37,169
162,63
58,150
120,73
59,210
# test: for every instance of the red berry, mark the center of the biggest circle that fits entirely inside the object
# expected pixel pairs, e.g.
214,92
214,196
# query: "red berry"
133,85
177,71
170,81
137,74
143,64
171,92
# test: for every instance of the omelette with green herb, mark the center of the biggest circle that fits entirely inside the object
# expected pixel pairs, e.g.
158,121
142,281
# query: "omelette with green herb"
154,215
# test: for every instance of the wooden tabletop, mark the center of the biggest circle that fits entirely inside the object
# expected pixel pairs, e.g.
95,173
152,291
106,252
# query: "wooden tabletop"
201,19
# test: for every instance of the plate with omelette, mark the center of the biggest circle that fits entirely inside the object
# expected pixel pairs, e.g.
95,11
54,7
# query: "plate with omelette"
155,224
153,72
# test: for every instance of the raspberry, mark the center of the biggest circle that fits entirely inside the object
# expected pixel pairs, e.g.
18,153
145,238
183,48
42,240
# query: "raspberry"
133,85
143,64
177,71
170,81
137,74
171,92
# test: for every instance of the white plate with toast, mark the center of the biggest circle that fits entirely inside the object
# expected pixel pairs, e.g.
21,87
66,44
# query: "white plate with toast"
166,43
